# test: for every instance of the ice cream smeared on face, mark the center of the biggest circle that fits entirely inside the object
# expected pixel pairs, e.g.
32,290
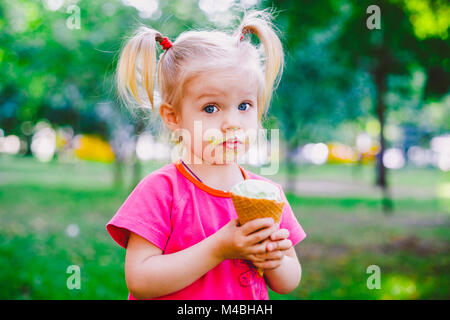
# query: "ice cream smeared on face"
215,141
257,189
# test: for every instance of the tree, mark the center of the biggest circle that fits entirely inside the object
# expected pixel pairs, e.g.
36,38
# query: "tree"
53,71
316,93
389,48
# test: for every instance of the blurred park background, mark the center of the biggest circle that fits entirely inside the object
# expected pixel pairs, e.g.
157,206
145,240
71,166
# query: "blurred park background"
364,114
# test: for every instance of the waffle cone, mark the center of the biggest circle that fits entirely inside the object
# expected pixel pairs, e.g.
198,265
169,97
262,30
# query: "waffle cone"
248,209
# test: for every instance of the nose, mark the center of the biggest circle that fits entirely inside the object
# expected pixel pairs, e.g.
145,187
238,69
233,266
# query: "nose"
231,121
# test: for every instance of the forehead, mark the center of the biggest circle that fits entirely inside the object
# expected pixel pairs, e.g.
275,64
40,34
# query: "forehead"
221,82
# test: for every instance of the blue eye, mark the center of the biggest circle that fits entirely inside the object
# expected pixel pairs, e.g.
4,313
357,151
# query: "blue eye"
210,108
244,104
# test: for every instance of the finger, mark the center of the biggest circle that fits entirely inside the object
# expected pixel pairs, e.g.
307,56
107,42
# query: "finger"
268,264
265,241
257,224
259,248
280,234
275,255
256,258
261,235
273,245
279,245
284,244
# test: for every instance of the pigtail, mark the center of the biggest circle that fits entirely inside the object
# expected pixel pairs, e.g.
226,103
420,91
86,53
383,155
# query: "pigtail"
136,68
260,24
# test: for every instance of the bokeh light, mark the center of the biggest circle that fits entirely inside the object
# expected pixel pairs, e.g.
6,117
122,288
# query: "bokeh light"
146,8
393,158
363,142
440,145
149,149
315,153
43,145
10,144
53,5
399,287
73,230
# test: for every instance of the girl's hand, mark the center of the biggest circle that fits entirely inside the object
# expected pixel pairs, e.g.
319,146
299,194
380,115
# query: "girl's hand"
244,242
277,247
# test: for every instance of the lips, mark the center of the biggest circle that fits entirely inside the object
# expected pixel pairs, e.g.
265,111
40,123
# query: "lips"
221,141
232,143
234,140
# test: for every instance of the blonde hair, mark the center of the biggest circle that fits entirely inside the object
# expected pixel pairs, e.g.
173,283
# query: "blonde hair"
194,52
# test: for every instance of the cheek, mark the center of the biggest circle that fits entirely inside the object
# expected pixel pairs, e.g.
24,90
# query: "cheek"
251,119
192,130
196,138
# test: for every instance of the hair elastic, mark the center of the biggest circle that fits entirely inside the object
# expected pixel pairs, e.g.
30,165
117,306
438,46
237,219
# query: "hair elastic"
165,43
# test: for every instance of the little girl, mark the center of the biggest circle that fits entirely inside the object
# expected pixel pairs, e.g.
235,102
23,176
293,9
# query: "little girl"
179,225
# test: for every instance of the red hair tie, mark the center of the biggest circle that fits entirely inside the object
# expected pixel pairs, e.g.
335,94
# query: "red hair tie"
166,43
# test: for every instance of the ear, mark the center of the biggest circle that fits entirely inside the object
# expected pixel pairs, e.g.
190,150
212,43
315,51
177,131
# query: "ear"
169,116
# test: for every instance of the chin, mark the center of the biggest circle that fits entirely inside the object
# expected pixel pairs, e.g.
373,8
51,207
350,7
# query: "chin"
219,157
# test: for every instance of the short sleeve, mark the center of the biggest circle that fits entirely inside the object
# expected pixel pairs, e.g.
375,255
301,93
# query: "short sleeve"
290,222
145,212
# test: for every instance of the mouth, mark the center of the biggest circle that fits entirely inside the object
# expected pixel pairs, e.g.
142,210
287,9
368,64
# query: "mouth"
235,140
232,143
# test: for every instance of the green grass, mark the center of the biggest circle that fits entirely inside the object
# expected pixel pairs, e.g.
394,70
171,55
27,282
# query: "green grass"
34,243
411,247
38,201
427,177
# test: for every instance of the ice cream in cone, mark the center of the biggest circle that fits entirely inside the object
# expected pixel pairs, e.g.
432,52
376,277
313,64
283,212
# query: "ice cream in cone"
254,199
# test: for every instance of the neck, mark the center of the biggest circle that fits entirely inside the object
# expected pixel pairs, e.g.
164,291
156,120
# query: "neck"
217,176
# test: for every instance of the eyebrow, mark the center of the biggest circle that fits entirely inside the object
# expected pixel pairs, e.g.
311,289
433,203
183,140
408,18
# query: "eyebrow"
203,95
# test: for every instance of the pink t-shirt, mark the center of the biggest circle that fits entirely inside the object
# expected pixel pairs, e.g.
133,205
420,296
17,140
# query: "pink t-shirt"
174,211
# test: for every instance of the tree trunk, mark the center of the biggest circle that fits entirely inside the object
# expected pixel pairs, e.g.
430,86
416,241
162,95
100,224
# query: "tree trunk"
380,78
291,170
28,139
